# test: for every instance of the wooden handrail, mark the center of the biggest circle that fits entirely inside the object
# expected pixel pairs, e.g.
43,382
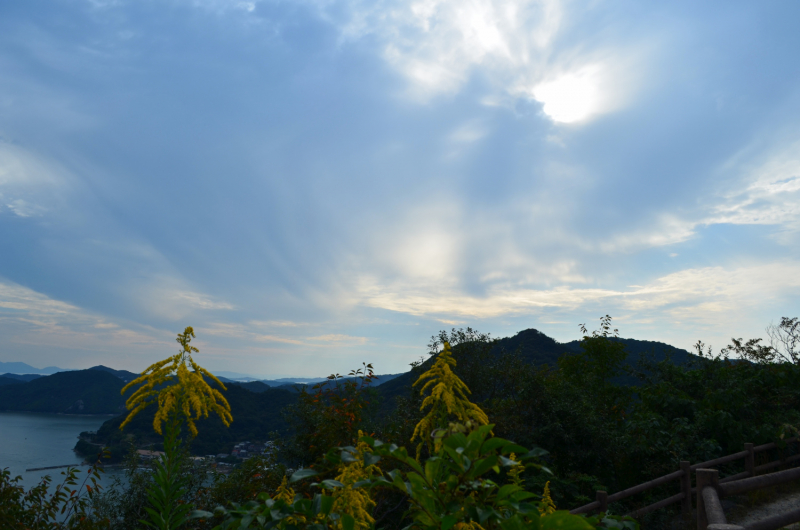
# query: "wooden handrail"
710,515
684,476
657,505
720,460
645,486
759,482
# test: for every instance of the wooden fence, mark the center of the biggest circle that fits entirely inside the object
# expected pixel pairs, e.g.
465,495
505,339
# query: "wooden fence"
713,488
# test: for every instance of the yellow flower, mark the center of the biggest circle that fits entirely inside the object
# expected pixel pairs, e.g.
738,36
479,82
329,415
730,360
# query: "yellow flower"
547,506
471,525
352,501
285,493
190,395
515,472
448,397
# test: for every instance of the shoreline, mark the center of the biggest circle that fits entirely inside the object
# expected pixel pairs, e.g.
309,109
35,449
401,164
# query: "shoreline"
104,415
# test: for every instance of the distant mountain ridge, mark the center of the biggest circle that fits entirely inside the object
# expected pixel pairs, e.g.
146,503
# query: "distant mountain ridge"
25,368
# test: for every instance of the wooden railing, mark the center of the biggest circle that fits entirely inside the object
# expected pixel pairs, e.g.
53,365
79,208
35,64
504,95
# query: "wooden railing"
725,486
710,515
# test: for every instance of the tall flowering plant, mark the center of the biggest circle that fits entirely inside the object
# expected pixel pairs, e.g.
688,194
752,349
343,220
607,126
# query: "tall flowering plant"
175,389
181,395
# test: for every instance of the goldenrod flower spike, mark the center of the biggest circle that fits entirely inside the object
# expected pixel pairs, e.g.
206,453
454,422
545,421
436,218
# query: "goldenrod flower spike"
171,385
516,471
547,506
352,501
448,397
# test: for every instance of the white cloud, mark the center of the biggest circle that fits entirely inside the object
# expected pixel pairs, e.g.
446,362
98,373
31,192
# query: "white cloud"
339,339
166,297
28,183
23,208
30,317
438,45
701,293
766,194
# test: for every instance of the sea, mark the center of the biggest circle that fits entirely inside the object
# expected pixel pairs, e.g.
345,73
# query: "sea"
32,440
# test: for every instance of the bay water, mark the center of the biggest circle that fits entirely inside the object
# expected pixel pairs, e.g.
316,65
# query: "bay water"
33,440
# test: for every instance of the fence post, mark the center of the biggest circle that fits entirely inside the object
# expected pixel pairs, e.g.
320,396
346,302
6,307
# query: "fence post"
686,489
750,460
602,498
705,477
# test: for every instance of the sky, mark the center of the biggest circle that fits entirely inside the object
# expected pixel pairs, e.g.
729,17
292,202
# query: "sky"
316,184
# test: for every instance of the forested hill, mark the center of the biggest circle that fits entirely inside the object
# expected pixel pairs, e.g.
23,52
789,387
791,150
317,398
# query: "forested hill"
535,347
255,416
75,392
643,348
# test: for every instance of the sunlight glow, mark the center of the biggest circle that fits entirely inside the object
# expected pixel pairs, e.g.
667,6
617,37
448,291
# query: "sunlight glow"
572,97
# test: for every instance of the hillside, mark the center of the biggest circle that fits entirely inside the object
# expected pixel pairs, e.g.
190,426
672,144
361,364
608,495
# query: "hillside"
255,416
75,392
23,377
9,381
537,348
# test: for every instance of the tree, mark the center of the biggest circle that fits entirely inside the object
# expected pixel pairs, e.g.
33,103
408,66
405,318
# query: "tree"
785,339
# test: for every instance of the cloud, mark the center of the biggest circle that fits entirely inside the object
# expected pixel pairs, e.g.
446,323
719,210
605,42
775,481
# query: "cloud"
701,293
30,317
163,297
339,339
23,208
28,182
438,45
768,194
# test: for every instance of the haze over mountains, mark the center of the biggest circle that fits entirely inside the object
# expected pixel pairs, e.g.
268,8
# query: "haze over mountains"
25,372
24,368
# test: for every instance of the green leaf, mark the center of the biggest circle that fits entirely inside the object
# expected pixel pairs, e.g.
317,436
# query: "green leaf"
536,452
507,490
482,466
371,459
448,522
348,523
349,455
330,484
432,467
563,520
493,443
507,462
514,448
516,523
302,474
455,441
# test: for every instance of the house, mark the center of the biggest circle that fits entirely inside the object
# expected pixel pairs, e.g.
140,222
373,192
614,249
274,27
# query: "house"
149,455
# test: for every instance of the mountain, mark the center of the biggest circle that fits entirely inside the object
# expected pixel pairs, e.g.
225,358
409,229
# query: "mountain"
537,348
24,368
23,377
74,392
125,375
